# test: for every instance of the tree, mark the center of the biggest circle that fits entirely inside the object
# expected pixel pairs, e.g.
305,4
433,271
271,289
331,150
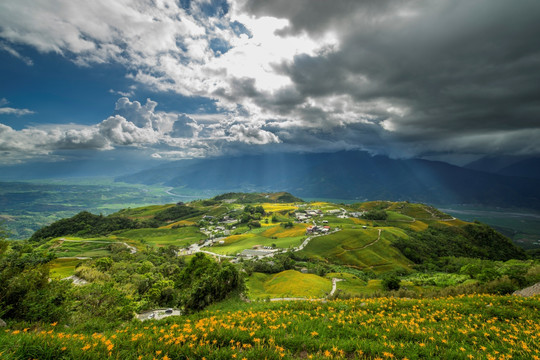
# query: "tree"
391,282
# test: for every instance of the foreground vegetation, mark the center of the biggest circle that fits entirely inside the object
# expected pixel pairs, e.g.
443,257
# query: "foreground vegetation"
466,327
384,280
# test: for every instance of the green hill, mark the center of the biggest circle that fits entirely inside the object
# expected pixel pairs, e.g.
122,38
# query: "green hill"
271,241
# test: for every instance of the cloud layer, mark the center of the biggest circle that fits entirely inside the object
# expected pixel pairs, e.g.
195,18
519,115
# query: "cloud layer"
134,125
405,78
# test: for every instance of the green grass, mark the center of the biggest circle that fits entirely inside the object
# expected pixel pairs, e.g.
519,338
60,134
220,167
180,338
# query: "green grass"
359,248
63,268
79,247
247,242
462,328
266,236
144,212
289,283
394,216
182,236
437,279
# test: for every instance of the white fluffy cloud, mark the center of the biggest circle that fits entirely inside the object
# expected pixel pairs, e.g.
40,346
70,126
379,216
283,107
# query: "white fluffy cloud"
422,76
6,110
171,135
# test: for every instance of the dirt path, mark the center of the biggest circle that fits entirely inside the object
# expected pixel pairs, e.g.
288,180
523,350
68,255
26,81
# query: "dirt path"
372,243
363,247
334,285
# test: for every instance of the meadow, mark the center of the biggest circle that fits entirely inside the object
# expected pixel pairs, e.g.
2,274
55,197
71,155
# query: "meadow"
181,236
287,284
464,327
361,248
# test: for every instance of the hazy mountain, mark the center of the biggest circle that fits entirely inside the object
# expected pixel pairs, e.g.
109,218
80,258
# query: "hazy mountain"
526,168
493,164
72,169
346,175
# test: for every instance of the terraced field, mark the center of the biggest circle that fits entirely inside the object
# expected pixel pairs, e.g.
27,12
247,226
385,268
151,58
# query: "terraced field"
182,236
62,268
361,248
77,247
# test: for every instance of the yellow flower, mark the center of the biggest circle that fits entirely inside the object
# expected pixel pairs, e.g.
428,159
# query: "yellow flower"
327,353
314,333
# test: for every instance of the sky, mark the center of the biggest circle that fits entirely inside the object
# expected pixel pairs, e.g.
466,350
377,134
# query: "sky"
170,80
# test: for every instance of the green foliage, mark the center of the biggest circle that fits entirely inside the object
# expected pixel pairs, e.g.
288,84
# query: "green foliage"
375,215
275,265
474,240
105,301
85,224
176,213
467,327
254,224
207,282
25,290
287,225
391,282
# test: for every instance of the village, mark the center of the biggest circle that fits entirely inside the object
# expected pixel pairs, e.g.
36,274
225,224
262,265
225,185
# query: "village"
217,229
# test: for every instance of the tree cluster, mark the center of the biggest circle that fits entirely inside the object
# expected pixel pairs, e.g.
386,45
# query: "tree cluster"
86,224
375,215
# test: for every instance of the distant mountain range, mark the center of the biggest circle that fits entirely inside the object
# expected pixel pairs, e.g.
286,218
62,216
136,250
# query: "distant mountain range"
350,175
508,165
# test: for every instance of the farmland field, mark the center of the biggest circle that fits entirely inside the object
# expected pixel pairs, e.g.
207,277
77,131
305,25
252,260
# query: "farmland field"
359,248
62,268
286,284
466,327
182,236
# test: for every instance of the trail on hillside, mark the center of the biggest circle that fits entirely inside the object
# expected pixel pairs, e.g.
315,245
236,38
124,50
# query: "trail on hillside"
363,247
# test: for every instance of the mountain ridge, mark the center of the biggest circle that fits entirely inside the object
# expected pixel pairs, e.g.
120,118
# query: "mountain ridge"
351,175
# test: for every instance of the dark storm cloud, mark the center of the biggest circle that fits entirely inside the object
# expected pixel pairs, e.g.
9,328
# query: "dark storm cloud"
450,72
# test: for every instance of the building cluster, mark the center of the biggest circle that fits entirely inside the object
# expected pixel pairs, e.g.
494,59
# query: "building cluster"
316,229
307,215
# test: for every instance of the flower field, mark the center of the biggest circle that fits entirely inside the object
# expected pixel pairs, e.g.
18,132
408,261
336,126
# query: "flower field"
465,327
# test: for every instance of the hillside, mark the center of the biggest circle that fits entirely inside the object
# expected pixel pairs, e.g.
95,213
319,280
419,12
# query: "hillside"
347,175
471,327
93,273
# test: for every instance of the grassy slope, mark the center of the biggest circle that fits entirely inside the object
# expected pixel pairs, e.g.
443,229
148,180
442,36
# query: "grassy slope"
289,283
181,236
79,247
470,327
350,247
266,236
62,268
